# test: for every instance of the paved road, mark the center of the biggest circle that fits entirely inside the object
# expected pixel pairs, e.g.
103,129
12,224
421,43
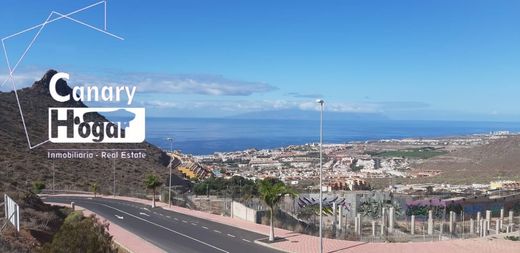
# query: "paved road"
171,231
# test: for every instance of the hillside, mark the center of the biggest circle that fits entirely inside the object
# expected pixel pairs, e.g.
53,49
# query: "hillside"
500,159
39,222
21,166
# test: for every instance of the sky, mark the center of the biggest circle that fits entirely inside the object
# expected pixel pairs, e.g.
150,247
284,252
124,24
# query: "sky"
404,59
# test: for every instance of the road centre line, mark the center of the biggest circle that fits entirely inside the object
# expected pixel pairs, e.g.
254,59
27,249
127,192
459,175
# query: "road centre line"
163,227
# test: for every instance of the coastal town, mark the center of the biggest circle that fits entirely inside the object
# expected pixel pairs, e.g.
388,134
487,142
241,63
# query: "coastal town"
402,208
350,166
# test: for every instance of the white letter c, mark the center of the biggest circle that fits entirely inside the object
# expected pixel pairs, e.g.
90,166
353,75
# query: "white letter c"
52,87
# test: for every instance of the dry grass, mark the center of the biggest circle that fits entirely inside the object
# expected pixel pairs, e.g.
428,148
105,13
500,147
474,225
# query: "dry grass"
500,159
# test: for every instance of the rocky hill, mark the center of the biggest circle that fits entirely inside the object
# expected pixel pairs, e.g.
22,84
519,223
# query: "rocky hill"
21,166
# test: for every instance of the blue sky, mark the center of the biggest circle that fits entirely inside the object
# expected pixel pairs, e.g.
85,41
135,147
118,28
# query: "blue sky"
450,60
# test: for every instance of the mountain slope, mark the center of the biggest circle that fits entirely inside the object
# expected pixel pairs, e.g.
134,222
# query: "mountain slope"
21,166
500,159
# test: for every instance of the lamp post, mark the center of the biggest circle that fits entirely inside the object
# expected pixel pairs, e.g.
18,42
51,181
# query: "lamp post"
53,177
170,181
114,167
321,102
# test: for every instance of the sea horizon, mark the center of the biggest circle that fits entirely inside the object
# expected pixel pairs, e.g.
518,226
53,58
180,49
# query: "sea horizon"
205,136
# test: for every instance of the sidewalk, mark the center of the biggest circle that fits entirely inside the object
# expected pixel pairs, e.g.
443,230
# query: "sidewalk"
301,243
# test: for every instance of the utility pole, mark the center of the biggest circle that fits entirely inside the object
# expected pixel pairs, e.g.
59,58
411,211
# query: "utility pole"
170,181
321,102
53,177
114,167
225,198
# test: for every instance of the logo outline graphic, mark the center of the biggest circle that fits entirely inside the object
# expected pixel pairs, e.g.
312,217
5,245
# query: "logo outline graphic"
41,26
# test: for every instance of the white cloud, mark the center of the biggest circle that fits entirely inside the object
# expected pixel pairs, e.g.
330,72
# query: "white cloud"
240,106
223,105
22,79
342,107
200,84
213,85
303,95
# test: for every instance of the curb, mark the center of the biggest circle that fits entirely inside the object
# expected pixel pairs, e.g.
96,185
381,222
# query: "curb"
268,245
122,246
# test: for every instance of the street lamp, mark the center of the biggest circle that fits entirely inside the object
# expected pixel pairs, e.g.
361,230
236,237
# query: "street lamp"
53,177
321,102
114,167
170,181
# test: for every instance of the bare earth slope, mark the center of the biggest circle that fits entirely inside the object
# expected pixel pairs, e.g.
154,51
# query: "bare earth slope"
500,159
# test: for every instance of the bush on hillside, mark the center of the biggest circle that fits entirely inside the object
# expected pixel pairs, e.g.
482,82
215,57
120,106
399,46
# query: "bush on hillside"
82,235
38,186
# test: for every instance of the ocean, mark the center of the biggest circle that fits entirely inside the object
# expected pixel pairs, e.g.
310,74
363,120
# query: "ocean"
206,136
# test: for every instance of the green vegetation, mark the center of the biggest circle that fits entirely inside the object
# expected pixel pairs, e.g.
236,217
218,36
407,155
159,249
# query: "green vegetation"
152,182
271,192
81,234
94,188
513,238
413,153
516,207
236,187
354,167
38,186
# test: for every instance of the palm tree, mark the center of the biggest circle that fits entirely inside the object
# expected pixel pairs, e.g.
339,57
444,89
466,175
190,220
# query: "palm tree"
94,187
152,182
271,192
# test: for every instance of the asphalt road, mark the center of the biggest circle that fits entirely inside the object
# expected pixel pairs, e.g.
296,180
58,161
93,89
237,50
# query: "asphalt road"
171,231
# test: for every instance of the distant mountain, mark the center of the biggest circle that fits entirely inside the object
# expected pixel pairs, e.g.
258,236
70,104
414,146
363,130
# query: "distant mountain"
295,114
21,166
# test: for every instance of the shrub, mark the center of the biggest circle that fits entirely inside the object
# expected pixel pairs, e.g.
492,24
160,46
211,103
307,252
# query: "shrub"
82,235
38,186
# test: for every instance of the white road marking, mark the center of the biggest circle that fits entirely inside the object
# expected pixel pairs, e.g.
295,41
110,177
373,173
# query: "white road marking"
175,219
245,240
184,221
119,217
216,231
168,216
204,227
161,214
171,230
194,224
145,214
144,208
230,235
